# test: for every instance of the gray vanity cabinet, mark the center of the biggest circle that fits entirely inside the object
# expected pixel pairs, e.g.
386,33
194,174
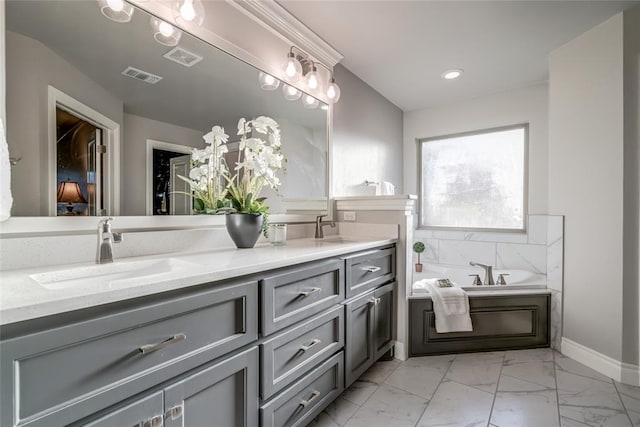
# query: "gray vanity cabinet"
145,412
369,331
225,394
65,373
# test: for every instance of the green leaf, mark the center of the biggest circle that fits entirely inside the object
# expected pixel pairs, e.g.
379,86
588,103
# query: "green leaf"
247,202
198,204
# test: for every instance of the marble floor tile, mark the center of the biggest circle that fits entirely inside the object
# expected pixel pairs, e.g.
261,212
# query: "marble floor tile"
456,404
340,410
541,373
631,399
359,392
565,364
526,409
568,422
481,372
323,420
421,381
508,383
441,363
590,401
389,406
380,371
533,355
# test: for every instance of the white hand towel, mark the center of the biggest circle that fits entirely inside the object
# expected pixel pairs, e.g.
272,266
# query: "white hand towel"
451,307
387,188
5,177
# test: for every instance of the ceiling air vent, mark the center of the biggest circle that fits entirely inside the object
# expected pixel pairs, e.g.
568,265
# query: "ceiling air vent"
183,56
134,73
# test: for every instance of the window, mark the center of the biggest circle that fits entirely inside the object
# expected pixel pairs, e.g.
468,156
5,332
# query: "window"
475,180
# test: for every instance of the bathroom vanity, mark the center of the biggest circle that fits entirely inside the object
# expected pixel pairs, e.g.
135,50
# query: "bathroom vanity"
213,346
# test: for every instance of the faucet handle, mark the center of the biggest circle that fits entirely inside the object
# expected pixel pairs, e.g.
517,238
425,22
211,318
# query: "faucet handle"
501,280
117,237
476,279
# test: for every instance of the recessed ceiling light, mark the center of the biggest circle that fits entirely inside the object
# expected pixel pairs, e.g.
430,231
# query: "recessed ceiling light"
452,74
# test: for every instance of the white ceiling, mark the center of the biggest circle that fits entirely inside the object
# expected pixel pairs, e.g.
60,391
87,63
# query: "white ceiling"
400,48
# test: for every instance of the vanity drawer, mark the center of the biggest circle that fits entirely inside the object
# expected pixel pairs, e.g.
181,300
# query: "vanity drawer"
367,270
296,293
305,399
289,354
77,369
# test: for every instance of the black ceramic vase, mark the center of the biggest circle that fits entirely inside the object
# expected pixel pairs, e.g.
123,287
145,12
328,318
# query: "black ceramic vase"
244,229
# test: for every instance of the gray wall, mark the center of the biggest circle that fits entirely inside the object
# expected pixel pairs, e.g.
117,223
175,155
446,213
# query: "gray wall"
631,276
31,67
367,138
586,152
136,131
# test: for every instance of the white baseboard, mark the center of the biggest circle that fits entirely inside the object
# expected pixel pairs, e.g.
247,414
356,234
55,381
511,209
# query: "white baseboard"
619,371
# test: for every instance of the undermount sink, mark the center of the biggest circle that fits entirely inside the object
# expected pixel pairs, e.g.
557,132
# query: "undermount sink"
108,274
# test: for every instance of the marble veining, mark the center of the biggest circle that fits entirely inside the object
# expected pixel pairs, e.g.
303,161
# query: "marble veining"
535,388
456,252
522,257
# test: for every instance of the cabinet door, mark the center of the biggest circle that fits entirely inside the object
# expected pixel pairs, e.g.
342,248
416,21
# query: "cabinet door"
145,412
383,319
359,352
225,394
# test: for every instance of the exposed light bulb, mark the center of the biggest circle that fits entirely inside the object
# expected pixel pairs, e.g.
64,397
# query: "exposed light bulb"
292,68
187,11
333,91
291,93
312,79
116,5
165,29
310,102
268,82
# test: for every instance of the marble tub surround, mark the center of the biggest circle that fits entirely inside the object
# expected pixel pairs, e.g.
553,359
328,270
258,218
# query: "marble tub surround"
522,388
23,298
538,250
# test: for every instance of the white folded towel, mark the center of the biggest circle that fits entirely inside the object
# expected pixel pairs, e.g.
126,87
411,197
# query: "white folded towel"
450,305
5,177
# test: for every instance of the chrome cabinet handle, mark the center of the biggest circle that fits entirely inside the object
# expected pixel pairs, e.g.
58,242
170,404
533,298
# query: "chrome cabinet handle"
313,397
371,268
309,292
156,421
375,301
311,344
150,348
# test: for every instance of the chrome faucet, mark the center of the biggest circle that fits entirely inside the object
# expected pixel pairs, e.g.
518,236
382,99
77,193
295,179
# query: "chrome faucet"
320,224
488,272
106,239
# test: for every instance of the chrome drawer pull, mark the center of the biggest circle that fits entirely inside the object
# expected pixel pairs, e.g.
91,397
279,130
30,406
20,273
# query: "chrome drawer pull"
311,344
371,268
309,292
149,348
313,397
156,421
375,301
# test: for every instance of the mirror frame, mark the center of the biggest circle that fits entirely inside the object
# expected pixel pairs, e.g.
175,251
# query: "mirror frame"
271,16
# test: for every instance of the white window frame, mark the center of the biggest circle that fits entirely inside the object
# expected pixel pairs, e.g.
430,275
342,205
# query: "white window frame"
525,196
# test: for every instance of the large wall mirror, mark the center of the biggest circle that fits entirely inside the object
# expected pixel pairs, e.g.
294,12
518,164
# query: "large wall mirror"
102,115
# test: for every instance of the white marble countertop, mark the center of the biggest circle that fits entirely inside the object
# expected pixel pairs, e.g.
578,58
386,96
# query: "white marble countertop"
490,293
23,298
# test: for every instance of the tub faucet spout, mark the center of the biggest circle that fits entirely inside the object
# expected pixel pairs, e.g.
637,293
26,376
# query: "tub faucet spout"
488,272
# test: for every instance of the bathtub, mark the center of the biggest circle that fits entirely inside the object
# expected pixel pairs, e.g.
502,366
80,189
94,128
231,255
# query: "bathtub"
459,275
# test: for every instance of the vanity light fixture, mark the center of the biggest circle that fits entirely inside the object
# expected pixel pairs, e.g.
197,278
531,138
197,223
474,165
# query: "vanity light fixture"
116,10
165,33
452,74
292,67
268,82
188,12
291,93
312,78
310,102
299,64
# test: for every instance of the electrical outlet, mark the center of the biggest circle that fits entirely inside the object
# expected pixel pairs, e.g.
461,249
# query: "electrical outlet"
349,216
